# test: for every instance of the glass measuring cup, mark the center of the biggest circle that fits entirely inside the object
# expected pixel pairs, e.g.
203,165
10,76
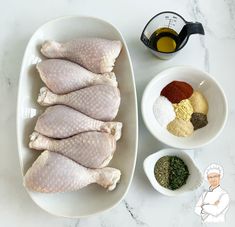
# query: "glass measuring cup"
170,31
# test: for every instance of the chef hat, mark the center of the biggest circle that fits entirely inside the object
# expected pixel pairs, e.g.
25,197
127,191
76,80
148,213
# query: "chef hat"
214,168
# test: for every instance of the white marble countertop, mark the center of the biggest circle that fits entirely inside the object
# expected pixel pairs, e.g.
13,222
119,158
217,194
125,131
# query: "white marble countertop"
142,206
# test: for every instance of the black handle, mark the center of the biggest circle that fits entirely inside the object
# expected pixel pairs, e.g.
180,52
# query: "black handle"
144,39
189,29
194,28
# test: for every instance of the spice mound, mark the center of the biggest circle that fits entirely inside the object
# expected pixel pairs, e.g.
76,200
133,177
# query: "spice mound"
171,172
181,109
163,111
199,103
177,91
181,128
199,120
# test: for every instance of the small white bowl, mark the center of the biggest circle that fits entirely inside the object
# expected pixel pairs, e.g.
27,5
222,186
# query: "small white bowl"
200,81
194,180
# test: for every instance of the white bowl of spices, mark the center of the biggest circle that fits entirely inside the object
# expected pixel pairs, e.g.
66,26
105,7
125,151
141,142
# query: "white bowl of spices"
172,172
184,107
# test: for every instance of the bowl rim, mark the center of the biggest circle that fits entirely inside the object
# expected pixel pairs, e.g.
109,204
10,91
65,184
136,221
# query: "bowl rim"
159,76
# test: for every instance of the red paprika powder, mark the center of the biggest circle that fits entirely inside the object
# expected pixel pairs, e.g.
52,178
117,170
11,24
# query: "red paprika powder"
176,91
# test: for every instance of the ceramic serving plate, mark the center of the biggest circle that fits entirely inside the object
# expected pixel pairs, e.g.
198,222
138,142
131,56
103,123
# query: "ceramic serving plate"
92,199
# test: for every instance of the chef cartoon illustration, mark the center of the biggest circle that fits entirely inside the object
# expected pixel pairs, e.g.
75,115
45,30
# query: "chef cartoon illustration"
213,203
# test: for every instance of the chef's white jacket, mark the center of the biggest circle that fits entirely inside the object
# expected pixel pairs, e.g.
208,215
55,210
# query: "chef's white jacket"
207,208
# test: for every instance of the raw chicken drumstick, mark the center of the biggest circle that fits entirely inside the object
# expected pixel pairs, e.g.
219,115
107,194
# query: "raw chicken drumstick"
100,101
52,172
63,76
90,149
95,54
61,122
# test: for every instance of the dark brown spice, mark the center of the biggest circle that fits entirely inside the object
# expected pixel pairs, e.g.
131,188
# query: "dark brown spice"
199,120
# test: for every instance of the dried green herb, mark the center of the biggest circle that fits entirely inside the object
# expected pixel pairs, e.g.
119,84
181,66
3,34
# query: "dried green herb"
161,171
178,173
171,172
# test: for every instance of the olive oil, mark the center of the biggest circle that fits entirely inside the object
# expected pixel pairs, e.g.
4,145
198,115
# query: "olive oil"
164,40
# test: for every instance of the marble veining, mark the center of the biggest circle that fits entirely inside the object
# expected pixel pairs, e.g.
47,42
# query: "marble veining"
142,206
133,215
231,8
199,16
215,25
